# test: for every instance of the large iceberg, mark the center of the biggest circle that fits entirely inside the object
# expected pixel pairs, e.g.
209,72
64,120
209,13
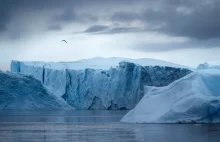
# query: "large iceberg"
25,92
194,98
102,83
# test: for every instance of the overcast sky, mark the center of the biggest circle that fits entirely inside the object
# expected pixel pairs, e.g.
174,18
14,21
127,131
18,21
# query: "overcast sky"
181,31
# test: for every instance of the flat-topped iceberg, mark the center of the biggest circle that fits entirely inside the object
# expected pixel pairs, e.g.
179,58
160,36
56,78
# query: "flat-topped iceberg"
194,98
94,63
101,83
25,92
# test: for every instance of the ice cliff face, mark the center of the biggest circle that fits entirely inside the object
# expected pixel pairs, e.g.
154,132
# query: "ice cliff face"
25,92
194,98
207,66
118,87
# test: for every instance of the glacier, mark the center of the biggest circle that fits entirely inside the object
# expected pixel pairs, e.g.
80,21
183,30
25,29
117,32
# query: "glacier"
194,98
19,91
207,66
102,83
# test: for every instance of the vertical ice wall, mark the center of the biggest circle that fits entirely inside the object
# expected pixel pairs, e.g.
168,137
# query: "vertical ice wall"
119,87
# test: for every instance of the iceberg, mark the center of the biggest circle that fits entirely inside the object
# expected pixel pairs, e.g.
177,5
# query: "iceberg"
101,83
194,98
207,66
19,91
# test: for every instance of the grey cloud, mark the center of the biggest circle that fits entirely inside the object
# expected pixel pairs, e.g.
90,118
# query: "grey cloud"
5,14
96,28
55,27
201,23
70,16
125,16
9,9
118,30
102,29
164,47
3,21
159,47
67,16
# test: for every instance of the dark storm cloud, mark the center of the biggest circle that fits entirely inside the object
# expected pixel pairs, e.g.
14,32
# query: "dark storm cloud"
8,8
163,14
3,21
194,19
179,18
5,11
12,9
35,5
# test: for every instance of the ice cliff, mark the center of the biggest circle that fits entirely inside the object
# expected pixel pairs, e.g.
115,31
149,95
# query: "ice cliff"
194,98
25,92
101,83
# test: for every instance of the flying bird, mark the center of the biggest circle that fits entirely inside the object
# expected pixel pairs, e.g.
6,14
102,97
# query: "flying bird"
64,41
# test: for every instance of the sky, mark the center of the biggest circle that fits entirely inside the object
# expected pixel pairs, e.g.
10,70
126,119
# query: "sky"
185,32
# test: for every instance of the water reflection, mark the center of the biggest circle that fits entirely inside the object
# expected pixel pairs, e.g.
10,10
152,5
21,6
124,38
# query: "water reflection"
181,132
96,126
61,116
70,132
